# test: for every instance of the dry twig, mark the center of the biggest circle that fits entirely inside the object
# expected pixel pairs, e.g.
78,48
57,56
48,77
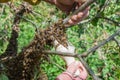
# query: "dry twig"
101,44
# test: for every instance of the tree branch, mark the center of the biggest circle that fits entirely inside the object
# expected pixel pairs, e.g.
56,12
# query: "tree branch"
88,68
61,53
115,22
76,56
101,44
81,8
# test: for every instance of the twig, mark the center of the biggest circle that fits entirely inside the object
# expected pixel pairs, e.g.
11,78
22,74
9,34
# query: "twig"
81,8
46,52
51,61
115,22
76,56
102,8
28,21
101,44
88,68
61,53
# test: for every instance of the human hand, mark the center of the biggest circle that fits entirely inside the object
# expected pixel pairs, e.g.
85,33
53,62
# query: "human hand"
67,5
75,19
78,70
75,71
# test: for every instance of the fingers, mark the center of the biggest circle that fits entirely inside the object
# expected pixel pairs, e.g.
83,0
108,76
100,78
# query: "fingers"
86,12
76,18
83,72
80,66
72,67
73,20
80,16
77,65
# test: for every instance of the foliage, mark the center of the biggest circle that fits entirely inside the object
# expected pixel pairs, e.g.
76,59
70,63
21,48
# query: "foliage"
104,62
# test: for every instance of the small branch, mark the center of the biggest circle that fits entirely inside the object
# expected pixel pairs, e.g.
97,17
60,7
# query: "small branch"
101,44
77,56
53,62
61,53
28,20
48,52
88,68
81,8
115,22
102,8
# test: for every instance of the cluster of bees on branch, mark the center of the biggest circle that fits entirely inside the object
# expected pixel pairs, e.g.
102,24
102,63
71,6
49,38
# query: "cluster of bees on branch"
52,33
